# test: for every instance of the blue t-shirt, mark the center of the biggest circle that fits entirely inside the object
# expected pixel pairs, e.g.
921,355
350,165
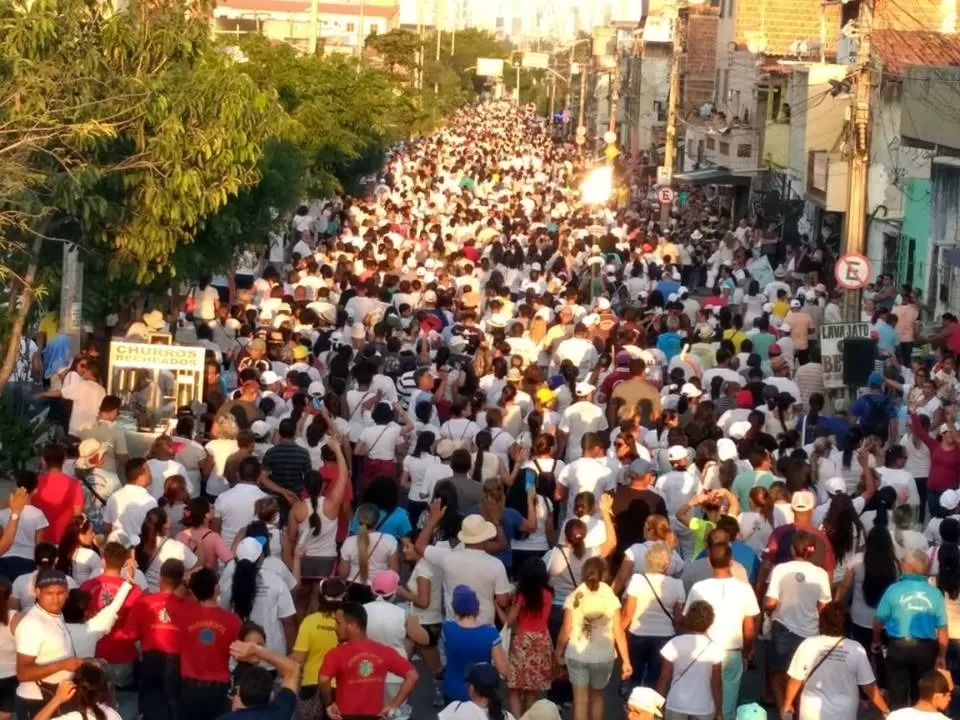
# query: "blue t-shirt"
744,555
837,427
511,522
465,647
887,336
862,406
398,524
912,608
668,288
670,344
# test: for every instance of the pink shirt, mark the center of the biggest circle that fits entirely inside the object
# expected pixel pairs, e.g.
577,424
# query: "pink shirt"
214,548
907,315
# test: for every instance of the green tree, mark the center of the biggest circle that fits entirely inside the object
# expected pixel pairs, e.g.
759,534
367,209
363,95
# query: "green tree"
396,50
122,131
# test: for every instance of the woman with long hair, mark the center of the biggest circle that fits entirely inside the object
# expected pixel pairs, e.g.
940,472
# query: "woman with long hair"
78,555
703,425
88,691
197,531
843,528
483,691
449,527
312,528
378,443
365,554
656,529
948,582
512,412
415,476
174,501
868,575
486,464
590,641
531,647
156,546
384,494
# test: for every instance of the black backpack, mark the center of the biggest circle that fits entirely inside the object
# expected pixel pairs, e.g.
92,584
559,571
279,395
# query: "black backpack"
877,420
517,493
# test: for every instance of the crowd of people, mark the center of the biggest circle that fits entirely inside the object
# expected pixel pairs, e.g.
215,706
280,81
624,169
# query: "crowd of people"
470,440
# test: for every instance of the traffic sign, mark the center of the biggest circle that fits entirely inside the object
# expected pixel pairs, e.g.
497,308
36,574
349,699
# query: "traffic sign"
580,139
666,196
610,152
853,271
581,130
609,137
664,175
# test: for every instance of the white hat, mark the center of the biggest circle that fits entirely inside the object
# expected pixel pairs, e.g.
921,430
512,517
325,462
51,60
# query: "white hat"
784,327
324,310
536,267
696,235
835,486
584,388
768,307
647,700
269,377
690,390
590,320
421,271
499,320
316,389
249,549
153,320
803,501
603,304
475,530
949,499
738,430
430,264
88,450
673,297
726,450
677,452
260,428
430,297
795,304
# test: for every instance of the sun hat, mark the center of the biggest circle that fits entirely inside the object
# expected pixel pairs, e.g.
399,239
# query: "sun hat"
514,375
646,699
88,450
542,710
153,320
385,583
476,530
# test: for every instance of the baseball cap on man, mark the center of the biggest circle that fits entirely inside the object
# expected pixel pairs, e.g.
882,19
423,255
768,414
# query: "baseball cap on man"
875,380
677,452
949,499
803,501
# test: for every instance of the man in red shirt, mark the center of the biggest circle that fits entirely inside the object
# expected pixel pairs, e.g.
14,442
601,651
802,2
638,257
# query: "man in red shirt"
360,667
58,496
205,651
116,647
157,620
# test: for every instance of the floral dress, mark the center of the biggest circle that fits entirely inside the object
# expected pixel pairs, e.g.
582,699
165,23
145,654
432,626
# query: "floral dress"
531,650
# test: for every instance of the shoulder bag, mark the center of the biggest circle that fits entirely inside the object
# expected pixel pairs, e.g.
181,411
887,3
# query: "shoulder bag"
660,602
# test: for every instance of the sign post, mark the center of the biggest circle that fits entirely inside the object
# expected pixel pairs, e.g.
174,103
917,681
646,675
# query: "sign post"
831,349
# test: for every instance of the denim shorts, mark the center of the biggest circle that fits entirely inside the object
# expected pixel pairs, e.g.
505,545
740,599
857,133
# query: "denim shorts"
594,675
783,643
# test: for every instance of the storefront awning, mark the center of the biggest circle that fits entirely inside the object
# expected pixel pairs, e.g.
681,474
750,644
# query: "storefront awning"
717,175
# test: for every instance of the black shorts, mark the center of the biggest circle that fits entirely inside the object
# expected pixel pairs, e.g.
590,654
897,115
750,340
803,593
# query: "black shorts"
8,693
433,632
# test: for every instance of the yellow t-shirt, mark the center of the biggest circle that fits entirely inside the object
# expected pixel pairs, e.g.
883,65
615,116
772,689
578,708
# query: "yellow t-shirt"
316,637
781,308
48,325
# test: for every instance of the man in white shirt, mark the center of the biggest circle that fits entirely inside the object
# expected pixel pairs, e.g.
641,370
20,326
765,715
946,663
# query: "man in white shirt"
735,611
577,420
85,394
893,474
579,350
128,506
589,473
235,506
468,563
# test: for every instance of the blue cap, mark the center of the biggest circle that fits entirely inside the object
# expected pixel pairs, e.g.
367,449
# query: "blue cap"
875,380
464,601
484,675
751,711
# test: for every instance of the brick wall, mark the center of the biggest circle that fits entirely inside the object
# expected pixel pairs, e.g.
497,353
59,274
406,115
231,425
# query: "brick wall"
912,14
701,63
784,21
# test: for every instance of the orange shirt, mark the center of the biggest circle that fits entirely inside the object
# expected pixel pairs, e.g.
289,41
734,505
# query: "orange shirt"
800,325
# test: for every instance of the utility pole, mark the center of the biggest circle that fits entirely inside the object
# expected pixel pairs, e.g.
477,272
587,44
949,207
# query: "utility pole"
360,36
553,95
855,220
583,92
314,25
614,95
673,99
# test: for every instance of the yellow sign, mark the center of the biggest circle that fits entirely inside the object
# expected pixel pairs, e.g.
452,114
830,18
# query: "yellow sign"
156,357
611,152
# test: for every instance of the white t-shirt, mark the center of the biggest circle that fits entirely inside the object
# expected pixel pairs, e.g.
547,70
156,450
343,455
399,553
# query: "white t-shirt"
32,520
86,396
206,300
433,613
45,637
693,657
576,421
755,531
466,710
831,691
732,601
902,481
586,475
86,564
637,554
127,508
108,711
381,441
160,470
799,586
537,540
235,508
386,624
476,569
382,546
649,618
272,604
914,714
168,549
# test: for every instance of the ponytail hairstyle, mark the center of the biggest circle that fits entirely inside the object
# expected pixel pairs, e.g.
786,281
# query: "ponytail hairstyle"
93,690
570,374
593,573
70,542
313,484
243,590
716,384
509,394
760,497
195,512
535,424
423,444
267,510
483,440
150,533
44,555
368,517
575,532
489,693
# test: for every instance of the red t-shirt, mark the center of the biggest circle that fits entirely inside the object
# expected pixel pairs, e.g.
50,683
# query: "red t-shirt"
953,338
57,496
360,668
156,620
116,647
529,621
205,643
611,380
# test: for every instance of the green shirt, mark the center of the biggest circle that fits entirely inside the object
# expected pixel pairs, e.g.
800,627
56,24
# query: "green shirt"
746,481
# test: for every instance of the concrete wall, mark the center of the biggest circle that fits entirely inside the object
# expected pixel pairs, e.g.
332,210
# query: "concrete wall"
816,121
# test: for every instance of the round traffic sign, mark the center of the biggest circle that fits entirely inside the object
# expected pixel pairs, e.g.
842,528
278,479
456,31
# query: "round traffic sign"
666,195
853,271
581,130
580,140
609,137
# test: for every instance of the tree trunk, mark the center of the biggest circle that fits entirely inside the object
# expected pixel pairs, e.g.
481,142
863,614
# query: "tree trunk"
16,331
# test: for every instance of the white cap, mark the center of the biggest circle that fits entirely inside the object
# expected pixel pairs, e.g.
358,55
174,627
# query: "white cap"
690,390
260,428
738,430
803,501
647,700
726,450
677,452
584,388
430,296
316,389
603,304
536,267
590,320
835,486
795,304
430,264
768,307
249,549
269,377
949,499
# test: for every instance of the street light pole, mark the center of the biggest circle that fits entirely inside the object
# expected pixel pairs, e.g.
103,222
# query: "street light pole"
583,93
673,100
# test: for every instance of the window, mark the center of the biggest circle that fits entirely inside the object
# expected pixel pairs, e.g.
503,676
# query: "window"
660,109
699,152
744,150
724,148
711,143
690,149
351,27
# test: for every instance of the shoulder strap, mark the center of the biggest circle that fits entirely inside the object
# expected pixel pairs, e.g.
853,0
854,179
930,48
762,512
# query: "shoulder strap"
659,601
156,552
87,484
359,404
569,568
693,662
822,660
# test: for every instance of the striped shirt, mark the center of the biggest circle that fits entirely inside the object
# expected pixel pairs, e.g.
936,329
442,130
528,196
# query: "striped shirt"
288,464
809,379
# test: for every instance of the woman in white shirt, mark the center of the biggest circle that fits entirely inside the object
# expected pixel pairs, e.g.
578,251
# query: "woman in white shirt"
653,603
415,476
77,554
219,450
365,554
690,672
378,443
156,546
483,684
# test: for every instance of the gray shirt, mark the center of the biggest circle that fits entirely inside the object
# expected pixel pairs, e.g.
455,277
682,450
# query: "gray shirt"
469,491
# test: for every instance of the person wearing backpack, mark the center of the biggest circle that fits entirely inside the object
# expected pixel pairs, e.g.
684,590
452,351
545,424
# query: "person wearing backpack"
874,411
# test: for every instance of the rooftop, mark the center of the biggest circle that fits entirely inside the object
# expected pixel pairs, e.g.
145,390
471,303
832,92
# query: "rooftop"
899,48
